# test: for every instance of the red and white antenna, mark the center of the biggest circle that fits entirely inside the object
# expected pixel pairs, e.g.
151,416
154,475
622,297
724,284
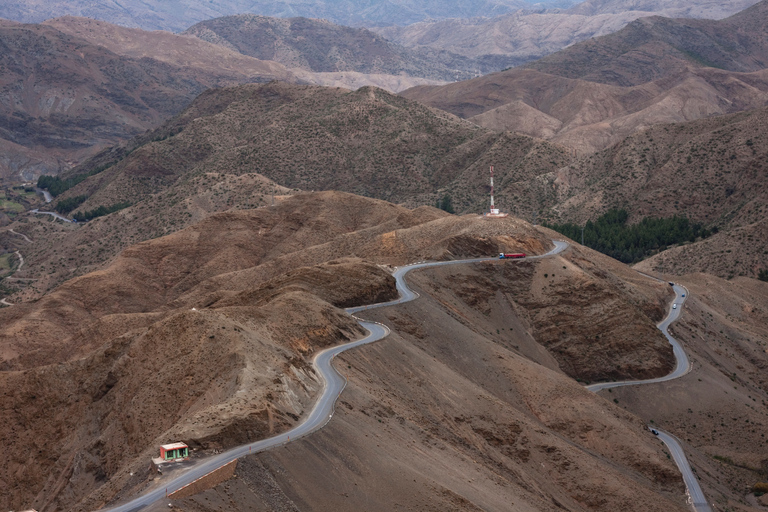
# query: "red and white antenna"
494,211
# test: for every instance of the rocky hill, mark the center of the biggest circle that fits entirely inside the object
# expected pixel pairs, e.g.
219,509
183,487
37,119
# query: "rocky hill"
654,48
589,116
520,37
323,47
243,300
595,93
64,98
236,147
190,51
709,170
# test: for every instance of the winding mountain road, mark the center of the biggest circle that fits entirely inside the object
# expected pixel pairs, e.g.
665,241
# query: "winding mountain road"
22,235
696,496
334,383
53,214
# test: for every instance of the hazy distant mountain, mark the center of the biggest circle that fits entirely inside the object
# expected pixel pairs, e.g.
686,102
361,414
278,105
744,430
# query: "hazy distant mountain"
519,37
595,93
181,14
62,97
653,48
322,46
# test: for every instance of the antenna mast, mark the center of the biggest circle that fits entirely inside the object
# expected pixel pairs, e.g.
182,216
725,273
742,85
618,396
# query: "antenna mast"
494,212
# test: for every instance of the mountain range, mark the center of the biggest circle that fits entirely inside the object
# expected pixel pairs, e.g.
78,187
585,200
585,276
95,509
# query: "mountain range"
224,225
243,300
63,98
178,16
516,38
321,46
595,93
231,147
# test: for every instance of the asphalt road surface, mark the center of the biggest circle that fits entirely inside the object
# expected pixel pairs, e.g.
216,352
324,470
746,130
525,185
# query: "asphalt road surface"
696,496
333,384
53,214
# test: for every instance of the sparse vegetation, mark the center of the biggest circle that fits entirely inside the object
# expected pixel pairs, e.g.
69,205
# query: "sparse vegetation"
611,235
99,212
763,275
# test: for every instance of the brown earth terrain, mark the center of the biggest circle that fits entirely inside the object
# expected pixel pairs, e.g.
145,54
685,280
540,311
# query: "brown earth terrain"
472,403
718,410
368,141
519,37
589,116
566,301
63,98
224,151
593,94
160,345
711,171
462,408
741,251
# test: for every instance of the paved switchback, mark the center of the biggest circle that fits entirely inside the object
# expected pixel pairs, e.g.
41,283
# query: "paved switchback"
333,384
683,365
695,494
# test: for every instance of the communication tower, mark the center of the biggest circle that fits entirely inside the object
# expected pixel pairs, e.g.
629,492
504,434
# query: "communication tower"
494,212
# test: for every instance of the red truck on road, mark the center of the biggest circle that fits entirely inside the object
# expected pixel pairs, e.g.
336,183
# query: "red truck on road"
511,255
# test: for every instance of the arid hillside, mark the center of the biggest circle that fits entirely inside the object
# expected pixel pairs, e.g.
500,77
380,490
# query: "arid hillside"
367,141
231,303
719,409
589,116
63,98
242,300
231,146
519,37
593,94
711,171
239,66
657,47
323,47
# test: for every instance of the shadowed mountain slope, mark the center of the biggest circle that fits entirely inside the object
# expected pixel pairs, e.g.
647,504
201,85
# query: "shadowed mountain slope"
520,37
711,171
321,46
653,48
63,98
